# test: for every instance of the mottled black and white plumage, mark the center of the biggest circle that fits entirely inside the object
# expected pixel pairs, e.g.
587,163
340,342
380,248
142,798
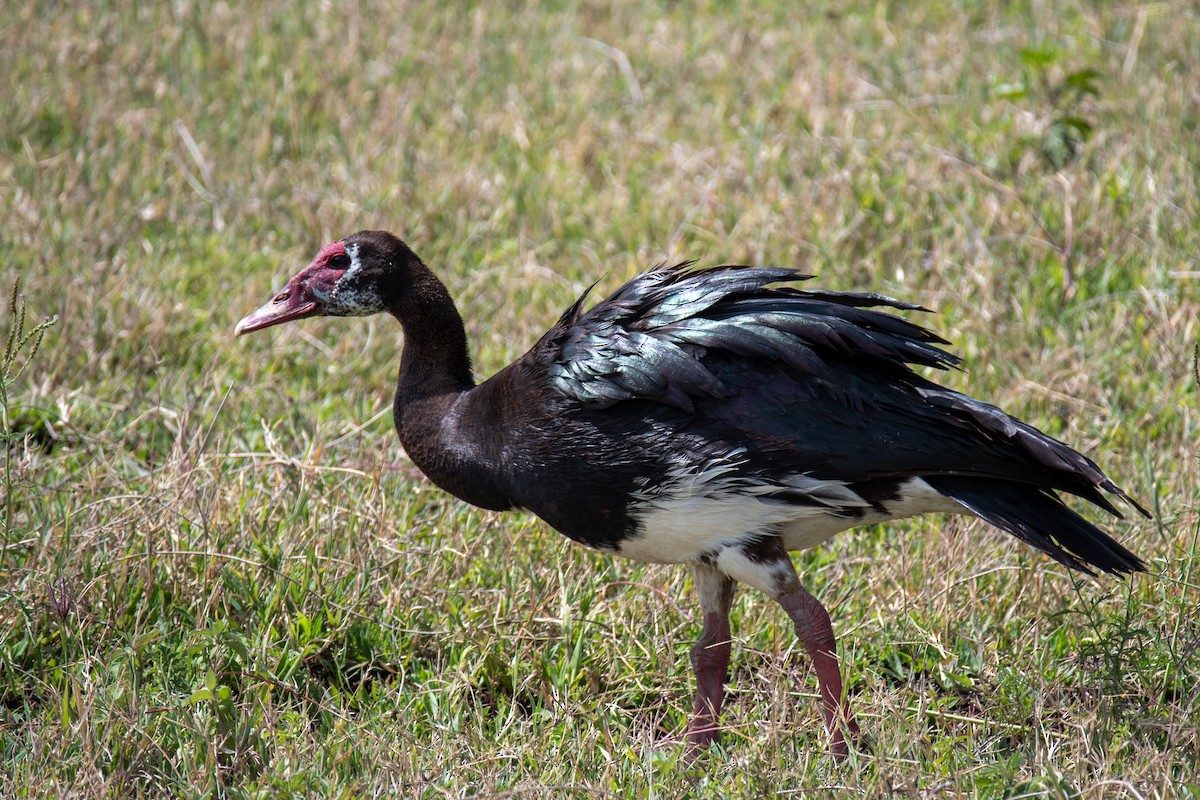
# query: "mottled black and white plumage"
713,417
789,387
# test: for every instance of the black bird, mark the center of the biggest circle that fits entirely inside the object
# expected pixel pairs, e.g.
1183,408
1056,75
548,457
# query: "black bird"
714,418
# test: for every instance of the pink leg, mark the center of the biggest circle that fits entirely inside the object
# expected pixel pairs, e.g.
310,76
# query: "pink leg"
710,658
816,634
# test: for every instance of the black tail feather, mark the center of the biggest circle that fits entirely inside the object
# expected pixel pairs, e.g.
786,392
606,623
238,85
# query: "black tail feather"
1039,517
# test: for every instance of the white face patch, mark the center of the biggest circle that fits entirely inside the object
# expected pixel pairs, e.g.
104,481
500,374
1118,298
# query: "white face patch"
355,263
352,296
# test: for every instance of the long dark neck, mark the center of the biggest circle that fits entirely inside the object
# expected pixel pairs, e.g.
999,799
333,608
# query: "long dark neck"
445,430
435,361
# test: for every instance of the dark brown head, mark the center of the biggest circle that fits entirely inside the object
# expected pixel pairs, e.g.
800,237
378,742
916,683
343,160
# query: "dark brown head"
366,273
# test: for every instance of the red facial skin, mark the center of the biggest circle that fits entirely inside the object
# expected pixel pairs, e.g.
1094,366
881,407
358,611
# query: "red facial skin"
304,296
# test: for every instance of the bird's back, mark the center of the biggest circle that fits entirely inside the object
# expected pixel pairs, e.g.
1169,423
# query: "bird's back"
716,395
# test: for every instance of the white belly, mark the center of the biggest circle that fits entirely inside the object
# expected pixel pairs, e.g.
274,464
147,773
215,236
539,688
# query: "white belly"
695,515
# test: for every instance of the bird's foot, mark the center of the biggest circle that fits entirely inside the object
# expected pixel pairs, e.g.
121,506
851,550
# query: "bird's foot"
846,735
702,732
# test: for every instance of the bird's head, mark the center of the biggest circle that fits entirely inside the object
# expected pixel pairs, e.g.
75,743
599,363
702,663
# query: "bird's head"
363,274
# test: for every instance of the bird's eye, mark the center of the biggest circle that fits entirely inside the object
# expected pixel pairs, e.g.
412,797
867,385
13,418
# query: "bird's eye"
340,261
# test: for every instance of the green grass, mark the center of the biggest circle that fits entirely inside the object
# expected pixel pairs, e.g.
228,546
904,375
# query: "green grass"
220,576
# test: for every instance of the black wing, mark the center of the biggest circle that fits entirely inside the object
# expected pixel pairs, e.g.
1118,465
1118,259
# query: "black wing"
821,382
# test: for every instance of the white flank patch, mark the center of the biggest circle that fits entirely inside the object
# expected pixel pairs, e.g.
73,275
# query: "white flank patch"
916,497
710,510
702,509
769,577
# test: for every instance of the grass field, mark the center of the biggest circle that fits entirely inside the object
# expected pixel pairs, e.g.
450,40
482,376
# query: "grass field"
219,575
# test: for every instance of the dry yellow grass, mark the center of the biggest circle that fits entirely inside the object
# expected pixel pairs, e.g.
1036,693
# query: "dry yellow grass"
215,582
